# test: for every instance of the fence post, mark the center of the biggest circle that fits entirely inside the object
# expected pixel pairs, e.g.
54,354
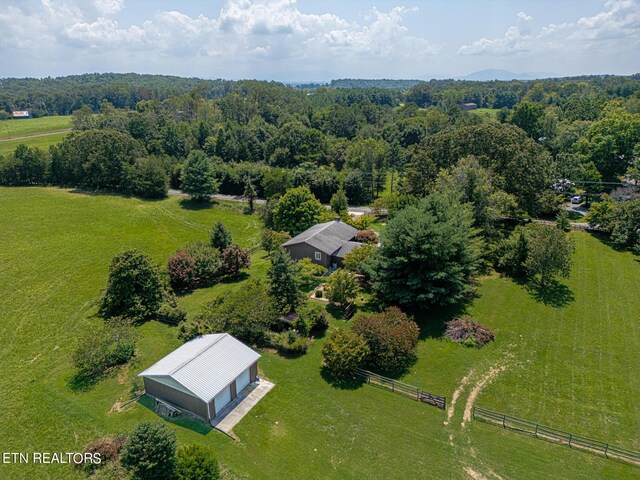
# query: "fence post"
536,432
504,418
606,450
393,386
570,437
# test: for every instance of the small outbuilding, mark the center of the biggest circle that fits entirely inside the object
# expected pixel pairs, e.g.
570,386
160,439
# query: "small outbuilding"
325,243
21,114
203,375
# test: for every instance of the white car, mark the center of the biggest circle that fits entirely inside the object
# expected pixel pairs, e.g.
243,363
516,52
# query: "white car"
576,199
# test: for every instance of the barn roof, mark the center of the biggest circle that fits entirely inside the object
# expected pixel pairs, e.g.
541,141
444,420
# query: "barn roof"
205,365
326,237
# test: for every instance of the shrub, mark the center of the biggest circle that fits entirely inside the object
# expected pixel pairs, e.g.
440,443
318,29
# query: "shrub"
234,259
360,222
220,237
290,342
103,348
342,287
271,239
314,316
357,258
339,202
196,462
309,273
467,331
207,263
182,272
171,314
150,452
245,313
392,338
344,352
135,288
367,236
108,448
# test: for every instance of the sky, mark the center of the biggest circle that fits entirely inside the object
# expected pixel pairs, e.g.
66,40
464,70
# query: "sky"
317,40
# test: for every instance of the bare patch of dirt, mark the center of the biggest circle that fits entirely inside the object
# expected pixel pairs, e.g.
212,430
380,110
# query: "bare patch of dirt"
456,395
35,358
477,388
122,375
473,474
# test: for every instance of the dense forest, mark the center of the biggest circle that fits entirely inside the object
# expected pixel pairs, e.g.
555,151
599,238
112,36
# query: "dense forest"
137,134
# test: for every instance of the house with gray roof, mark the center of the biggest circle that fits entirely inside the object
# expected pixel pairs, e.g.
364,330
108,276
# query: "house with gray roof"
203,375
325,243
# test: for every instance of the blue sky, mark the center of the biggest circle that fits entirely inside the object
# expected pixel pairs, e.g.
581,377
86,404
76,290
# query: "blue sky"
318,40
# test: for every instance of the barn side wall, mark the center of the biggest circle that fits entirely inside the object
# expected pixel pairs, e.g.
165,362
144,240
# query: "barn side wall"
175,397
253,371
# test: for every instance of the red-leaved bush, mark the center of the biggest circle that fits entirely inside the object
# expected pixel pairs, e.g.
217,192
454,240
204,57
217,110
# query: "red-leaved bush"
367,236
182,272
234,259
392,338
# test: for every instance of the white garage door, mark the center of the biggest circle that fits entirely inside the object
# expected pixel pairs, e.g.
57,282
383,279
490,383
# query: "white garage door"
222,399
243,380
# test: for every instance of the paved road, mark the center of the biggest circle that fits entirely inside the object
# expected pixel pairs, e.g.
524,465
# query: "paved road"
240,198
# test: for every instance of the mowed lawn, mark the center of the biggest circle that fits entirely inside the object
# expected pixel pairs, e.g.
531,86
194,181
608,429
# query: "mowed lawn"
55,248
39,132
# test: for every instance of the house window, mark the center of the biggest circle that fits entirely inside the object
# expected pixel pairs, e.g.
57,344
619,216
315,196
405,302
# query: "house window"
318,256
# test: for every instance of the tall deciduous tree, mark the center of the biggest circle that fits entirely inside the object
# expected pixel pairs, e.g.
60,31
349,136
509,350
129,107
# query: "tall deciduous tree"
549,252
198,178
296,211
342,287
427,256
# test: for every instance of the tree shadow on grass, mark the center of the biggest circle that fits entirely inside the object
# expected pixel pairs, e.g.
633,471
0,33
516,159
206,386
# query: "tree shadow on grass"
348,383
189,204
111,193
82,383
433,322
185,420
554,294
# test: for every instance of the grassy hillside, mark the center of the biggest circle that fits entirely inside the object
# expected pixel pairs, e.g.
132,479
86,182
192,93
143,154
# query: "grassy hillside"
33,132
573,366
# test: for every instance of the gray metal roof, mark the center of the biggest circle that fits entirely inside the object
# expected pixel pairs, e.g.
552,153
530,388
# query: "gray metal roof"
204,365
346,248
325,237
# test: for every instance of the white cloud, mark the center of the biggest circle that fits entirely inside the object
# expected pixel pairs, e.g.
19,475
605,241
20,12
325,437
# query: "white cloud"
620,20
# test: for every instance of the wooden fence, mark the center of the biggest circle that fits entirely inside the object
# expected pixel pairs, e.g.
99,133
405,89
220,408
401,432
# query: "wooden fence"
402,388
554,435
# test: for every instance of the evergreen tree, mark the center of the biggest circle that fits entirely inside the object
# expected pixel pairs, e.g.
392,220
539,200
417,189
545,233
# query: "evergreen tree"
220,237
149,452
284,281
339,202
427,255
198,178
250,194
135,288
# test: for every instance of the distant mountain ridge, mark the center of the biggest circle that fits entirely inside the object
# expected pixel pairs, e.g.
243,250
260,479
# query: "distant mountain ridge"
504,75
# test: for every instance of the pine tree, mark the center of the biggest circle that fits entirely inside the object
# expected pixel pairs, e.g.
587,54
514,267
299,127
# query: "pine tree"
220,237
250,194
198,178
339,202
284,281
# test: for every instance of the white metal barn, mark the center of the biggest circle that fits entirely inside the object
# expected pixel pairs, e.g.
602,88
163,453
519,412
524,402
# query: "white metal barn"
203,375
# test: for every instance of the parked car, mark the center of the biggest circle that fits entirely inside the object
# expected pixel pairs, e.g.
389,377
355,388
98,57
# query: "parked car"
576,199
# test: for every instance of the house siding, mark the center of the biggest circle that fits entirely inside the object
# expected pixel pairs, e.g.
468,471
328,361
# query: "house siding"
304,250
176,397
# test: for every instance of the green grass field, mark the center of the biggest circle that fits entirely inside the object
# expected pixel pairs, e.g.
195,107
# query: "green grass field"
33,132
488,113
33,126
573,365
